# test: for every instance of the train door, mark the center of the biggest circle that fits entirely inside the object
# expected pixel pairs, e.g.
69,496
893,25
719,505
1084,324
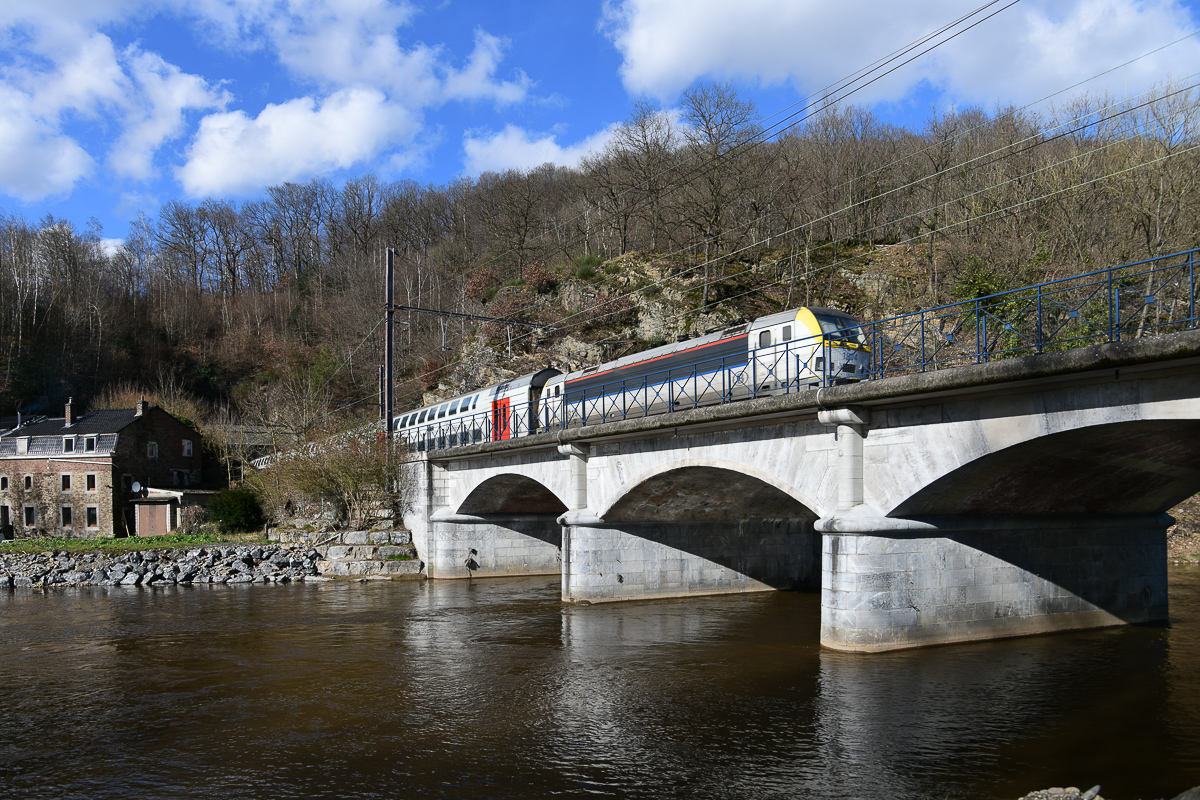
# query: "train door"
500,420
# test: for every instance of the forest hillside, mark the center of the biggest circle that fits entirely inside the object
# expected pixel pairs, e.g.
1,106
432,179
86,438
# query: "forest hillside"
270,311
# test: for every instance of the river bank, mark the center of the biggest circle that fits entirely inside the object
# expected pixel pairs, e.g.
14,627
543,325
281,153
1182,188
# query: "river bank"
242,563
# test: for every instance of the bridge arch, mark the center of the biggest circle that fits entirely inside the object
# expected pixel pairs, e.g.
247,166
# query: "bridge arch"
700,490
509,493
1129,467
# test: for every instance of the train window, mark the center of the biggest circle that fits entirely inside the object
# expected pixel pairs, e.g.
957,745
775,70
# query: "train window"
422,419
442,412
403,421
454,407
557,391
841,329
787,333
764,339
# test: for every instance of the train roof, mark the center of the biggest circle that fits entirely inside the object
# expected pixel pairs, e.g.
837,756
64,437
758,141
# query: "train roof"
775,319
665,350
538,378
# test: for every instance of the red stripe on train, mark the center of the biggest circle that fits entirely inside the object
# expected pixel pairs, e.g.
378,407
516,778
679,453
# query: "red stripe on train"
658,358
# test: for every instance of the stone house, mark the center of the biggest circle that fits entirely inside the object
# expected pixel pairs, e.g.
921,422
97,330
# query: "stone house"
113,472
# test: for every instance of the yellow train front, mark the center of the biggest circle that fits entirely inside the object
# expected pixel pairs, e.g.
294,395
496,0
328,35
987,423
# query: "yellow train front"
807,347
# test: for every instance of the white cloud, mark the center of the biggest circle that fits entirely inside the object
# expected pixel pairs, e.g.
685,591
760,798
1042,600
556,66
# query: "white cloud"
234,153
1029,50
516,148
36,160
165,92
477,81
363,91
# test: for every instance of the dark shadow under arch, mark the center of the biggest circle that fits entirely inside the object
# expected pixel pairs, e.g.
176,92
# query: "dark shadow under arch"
1133,467
511,494
705,494
728,518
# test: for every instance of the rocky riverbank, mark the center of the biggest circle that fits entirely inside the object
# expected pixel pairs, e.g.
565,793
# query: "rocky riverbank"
1071,793
281,563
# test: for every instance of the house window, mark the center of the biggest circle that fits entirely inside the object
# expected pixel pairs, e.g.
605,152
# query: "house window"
30,516
89,481
126,483
66,516
66,481
3,483
93,516
187,448
89,444
29,483
152,450
68,444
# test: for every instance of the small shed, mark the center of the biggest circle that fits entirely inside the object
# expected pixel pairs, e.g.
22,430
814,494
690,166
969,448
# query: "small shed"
156,513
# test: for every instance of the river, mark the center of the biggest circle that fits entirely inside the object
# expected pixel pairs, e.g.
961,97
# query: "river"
494,689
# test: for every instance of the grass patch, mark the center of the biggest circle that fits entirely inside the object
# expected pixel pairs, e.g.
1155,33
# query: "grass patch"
127,544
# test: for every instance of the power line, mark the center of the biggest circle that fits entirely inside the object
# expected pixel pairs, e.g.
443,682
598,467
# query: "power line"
842,86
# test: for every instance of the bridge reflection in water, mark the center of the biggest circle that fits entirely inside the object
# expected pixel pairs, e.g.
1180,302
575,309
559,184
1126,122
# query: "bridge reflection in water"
494,689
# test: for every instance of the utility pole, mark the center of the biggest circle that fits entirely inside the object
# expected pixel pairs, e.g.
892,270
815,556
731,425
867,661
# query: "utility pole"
388,382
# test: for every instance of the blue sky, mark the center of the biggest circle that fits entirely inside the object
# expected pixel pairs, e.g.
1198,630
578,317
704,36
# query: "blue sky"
110,107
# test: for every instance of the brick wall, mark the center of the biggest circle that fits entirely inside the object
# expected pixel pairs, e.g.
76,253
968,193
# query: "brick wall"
168,434
47,497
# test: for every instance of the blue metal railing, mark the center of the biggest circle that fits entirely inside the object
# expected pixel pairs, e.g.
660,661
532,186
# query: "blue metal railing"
1110,305
1148,297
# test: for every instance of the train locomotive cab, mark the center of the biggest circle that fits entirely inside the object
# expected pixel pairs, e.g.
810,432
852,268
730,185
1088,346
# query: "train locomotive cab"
809,346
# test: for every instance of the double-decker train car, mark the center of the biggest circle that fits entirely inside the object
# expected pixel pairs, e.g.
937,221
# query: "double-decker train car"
492,413
772,355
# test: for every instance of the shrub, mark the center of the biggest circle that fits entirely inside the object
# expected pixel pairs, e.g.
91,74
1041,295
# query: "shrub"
586,272
540,278
192,519
236,510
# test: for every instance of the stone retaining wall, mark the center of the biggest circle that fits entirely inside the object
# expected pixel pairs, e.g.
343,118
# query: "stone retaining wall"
217,564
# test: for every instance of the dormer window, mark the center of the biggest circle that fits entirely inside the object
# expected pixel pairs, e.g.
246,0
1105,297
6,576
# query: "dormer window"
22,445
68,444
89,444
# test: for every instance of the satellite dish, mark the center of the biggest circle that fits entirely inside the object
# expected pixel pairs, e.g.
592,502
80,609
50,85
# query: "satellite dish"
137,487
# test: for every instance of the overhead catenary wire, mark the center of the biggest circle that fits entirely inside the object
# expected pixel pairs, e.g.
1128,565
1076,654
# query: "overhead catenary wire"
952,226
960,134
842,86
947,170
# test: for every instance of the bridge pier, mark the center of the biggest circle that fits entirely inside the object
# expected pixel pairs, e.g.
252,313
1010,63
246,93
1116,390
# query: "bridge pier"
891,583
492,545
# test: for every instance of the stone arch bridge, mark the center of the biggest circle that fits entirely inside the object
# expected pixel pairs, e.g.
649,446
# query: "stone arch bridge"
1010,498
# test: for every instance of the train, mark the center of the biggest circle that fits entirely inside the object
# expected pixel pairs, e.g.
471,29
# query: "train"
772,355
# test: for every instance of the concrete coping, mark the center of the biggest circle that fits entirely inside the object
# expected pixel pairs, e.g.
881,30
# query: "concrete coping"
451,516
867,524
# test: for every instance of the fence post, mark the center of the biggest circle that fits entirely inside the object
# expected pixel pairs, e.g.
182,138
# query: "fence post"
1191,288
923,358
980,337
1039,319
1111,305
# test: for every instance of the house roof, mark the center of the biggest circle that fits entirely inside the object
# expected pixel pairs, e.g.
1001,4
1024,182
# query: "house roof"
106,420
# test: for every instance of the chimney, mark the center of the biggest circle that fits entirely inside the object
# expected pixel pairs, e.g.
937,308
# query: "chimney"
141,407
68,418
